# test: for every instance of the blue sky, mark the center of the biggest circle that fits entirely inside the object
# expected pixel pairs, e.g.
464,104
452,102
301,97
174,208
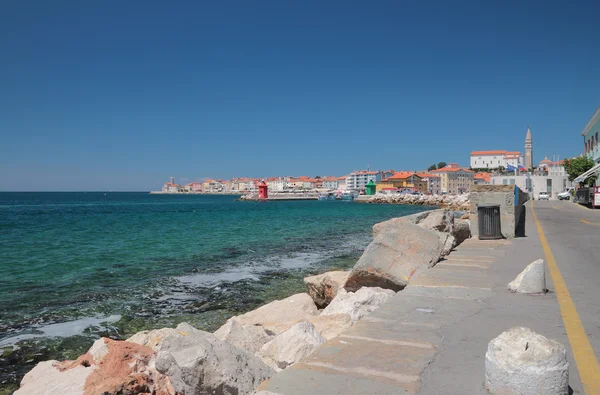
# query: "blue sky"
115,95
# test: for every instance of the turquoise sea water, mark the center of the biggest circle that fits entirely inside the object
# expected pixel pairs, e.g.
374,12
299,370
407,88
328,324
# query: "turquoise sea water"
75,266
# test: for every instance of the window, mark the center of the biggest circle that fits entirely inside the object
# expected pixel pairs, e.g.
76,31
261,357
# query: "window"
504,181
512,181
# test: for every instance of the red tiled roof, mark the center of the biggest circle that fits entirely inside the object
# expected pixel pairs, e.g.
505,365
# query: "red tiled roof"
427,175
401,175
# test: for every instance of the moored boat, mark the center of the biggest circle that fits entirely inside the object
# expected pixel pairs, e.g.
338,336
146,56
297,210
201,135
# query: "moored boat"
347,195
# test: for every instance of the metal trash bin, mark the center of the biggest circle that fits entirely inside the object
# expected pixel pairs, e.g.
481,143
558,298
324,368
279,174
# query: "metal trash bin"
489,222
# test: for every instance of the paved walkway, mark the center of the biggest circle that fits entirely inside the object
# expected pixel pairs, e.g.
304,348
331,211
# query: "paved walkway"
431,338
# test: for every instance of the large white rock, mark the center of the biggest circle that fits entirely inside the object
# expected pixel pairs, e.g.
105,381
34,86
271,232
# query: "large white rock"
399,251
441,220
323,288
358,304
520,361
462,230
151,338
291,346
196,362
279,315
46,378
532,280
247,337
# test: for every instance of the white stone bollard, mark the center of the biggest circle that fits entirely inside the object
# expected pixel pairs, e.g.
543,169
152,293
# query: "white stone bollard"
532,280
520,361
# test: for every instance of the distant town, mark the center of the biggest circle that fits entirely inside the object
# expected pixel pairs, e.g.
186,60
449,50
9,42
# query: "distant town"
494,167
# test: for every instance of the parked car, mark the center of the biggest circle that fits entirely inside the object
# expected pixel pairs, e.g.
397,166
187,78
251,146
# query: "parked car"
565,195
543,196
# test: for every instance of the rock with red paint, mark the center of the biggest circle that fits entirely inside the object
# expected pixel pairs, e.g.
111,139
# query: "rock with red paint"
109,367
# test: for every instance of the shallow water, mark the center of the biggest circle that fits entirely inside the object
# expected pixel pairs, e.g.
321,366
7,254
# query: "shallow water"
76,266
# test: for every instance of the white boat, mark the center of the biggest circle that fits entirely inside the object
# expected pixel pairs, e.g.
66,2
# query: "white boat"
327,196
347,195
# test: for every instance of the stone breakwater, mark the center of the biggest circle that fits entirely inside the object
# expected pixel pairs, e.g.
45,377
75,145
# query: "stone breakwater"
250,348
452,202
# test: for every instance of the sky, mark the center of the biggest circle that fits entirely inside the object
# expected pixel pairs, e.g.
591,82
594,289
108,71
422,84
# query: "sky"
121,95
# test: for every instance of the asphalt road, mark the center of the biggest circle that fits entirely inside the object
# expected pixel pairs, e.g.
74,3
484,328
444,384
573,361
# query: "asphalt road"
573,234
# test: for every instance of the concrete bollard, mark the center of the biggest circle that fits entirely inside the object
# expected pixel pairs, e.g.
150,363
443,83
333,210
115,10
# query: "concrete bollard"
532,280
520,361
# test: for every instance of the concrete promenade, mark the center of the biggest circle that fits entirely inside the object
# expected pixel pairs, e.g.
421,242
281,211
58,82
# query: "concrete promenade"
431,338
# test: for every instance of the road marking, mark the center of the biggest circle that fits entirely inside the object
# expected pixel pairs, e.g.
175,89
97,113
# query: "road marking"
585,359
588,222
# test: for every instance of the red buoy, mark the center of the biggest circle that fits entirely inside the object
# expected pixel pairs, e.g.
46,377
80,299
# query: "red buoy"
263,190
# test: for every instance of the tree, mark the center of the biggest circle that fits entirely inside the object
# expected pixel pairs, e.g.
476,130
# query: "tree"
432,167
441,164
577,166
317,177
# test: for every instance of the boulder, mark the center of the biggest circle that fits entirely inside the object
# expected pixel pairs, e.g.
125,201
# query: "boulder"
110,367
520,361
398,252
291,346
532,280
323,287
151,338
246,337
441,220
449,244
47,378
198,363
461,231
279,315
358,304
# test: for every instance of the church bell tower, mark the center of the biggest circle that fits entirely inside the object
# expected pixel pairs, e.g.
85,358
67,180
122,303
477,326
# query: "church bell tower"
528,150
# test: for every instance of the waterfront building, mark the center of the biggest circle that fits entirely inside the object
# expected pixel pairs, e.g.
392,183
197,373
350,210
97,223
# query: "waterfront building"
357,180
277,183
341,183
534,183
331,183
455,179
211,186
433,181
403,180
195,186
170,187
528,150
495,159
590,134
482,178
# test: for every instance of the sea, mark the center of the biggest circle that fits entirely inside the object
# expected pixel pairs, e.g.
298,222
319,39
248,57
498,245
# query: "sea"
77,266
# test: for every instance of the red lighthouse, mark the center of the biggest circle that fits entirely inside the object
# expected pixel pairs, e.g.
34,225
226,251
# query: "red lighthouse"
263,190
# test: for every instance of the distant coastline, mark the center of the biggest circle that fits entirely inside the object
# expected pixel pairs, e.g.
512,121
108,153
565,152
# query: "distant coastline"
196,193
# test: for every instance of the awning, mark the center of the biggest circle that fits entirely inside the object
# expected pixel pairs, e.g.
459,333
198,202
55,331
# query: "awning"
588,173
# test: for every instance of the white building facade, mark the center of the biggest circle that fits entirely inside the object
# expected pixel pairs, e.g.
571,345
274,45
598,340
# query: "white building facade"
495,159
535,183
359,179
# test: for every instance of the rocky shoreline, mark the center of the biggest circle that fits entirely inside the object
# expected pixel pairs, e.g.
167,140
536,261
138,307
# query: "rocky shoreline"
254,346
452,202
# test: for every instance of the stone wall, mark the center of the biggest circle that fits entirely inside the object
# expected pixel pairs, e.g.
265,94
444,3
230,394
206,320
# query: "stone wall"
512,210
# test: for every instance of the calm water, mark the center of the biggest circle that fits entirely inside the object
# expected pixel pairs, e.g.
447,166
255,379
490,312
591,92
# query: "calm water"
75,266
